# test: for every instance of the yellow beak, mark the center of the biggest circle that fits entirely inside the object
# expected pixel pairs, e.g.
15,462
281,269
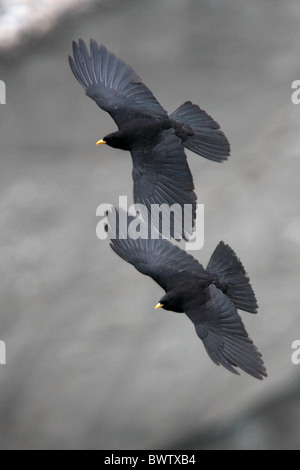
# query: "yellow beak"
100,142
159,305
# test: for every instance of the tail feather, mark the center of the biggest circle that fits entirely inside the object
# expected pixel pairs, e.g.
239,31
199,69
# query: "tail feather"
203,135
230,276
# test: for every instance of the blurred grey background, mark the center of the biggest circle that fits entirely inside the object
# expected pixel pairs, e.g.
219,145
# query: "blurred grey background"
90,363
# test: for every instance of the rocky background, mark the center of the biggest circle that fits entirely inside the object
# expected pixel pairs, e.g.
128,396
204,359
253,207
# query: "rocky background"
90,363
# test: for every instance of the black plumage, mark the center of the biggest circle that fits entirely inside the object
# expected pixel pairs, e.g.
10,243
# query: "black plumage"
156,141
210,297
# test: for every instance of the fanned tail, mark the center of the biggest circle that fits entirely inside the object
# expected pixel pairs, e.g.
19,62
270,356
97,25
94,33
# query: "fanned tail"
230,276
201,133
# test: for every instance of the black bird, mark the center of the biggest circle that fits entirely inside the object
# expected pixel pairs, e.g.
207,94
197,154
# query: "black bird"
156,141
210,297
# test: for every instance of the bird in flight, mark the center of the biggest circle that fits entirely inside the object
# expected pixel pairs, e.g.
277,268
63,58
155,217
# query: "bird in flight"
155,140
209,297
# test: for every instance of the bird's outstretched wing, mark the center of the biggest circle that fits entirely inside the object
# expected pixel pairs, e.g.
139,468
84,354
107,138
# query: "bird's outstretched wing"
162,176
157,258
224,336
114,85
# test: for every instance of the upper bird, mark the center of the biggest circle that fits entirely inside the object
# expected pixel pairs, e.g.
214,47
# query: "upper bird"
156,141
210,297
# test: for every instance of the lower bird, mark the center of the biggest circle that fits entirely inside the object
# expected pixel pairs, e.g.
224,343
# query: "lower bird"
155,140
210,297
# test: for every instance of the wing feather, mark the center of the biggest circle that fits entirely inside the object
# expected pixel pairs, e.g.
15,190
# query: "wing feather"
224,336
112,84
157,258
162,176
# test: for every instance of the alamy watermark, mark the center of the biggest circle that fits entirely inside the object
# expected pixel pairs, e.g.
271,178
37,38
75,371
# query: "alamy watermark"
2,92
296,354
296,94
160,224
2,353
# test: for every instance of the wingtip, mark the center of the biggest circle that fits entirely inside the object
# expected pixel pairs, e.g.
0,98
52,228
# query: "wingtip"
75,44
93,43
75,48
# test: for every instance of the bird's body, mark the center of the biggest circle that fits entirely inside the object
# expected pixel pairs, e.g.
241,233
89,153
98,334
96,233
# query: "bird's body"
137,133
156,141
210,297
186,293
144,132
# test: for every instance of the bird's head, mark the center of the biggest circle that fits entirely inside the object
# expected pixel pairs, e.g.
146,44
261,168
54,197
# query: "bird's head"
171,301
116,140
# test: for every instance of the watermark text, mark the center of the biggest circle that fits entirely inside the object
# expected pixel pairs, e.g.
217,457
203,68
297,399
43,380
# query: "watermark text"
2,353
296,354
296,94
153,225
2,92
